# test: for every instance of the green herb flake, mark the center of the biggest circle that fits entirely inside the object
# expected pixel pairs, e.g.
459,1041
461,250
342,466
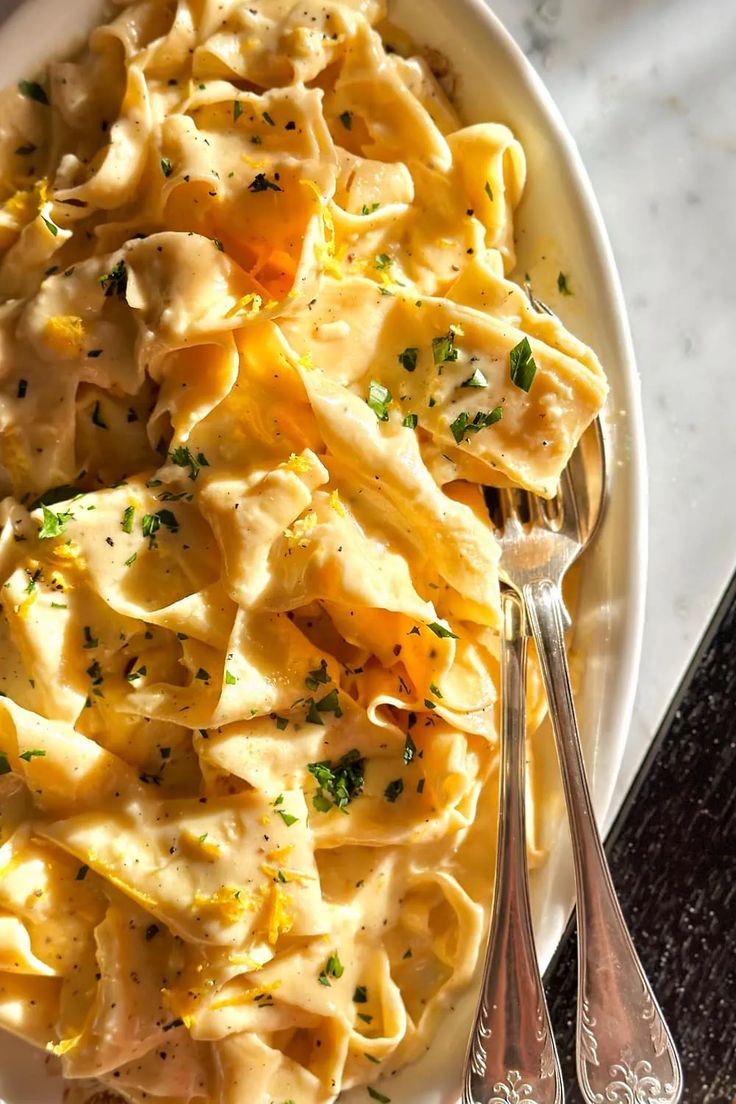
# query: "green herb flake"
476,380
346,118
374,1094
338,783
411,421
408,359
26,151
522,365
81,873
32,90
133,676
97,419
5,767
365,1017
366,210
489,191
410,750
230,679
282,723
127,521
54,525
50,226
287,818
319,676
360,996
115,282
202,675
166,166
434,689
131,560
218,245
237,110
267,118
333,968
442,631
562,285
383,262
379,398
463,425
32,753
443,348
394,790
183,458
261,183
330,703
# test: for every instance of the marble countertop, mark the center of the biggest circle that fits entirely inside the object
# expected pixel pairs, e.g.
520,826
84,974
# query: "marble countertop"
648,90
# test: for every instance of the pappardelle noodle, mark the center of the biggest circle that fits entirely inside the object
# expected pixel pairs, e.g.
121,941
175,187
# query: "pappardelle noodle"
258,350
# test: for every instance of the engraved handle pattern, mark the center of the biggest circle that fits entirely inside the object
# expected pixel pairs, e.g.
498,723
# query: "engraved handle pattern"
625,1053
511,1055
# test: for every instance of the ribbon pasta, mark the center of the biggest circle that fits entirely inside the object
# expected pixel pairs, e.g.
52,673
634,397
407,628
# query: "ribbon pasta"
257,351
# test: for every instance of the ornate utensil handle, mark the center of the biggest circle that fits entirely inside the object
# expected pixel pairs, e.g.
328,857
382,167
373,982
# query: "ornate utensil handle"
625,1054
511,1055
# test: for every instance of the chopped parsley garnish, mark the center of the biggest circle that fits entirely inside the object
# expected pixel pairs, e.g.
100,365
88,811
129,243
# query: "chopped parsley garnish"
338,783
374,1094
22,388
33,91
261,183
50,226
173,1023
366,210
411,421
151,523
434,689
408,359
131,560
429,704
183,458
116,281
379,398
237,110
443,348
127,522
218,245
267,118
25,151
360,996
489,191
476,380
383,262
318,676
365,1017
281,722
394,790
133,676
5,767
442,631
522,364
90,641
330,703
463,425
346,119
81,873
93,354
202,675
410,750
166,166
562,285
420,786
53,524
287,818
230,679
333,969
33,753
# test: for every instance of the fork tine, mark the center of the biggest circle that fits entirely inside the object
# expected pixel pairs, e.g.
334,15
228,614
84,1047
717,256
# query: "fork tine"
515,506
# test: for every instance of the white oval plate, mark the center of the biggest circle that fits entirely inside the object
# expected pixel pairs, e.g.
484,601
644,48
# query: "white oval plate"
559,228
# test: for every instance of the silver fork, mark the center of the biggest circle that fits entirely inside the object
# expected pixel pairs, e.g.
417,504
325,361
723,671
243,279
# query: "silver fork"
624,1048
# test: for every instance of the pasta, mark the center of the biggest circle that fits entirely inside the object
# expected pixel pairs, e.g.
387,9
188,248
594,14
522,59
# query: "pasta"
258,352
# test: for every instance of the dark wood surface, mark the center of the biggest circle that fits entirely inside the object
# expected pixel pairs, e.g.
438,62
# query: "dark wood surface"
673,858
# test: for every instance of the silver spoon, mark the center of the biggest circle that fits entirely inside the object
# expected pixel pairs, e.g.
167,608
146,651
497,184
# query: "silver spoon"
624,1048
